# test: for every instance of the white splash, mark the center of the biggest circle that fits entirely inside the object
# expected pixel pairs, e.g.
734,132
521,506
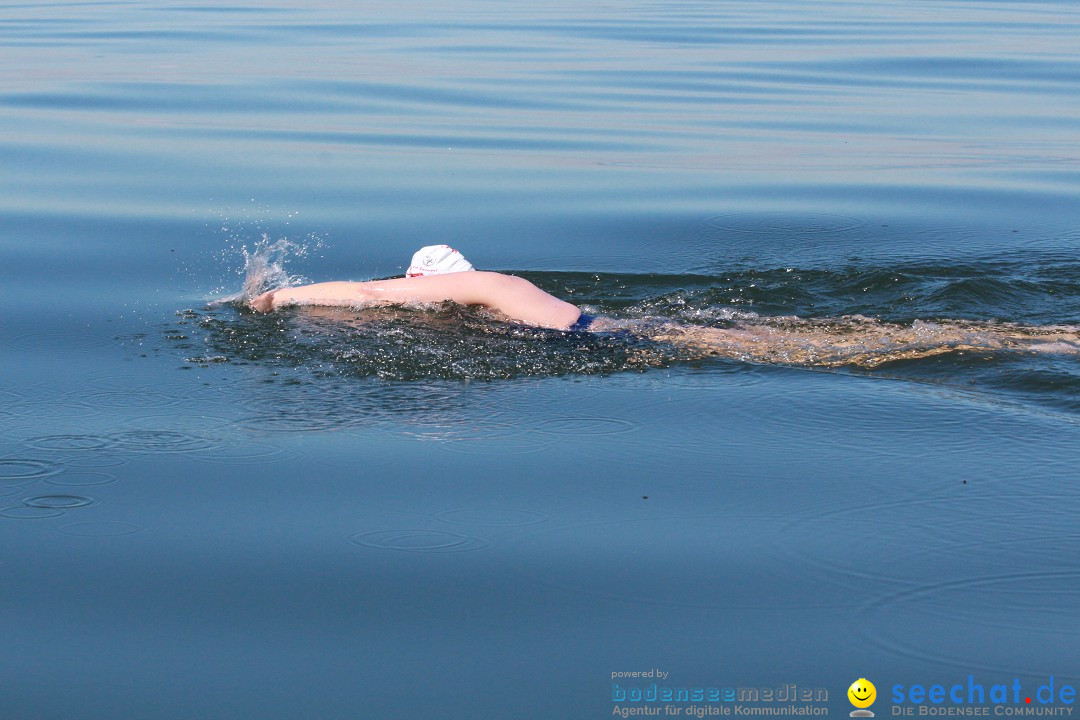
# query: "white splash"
264,267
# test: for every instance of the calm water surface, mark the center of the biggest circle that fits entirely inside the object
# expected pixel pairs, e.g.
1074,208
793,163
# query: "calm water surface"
205,513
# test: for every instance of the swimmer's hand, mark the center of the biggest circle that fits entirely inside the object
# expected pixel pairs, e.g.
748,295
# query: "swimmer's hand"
263,303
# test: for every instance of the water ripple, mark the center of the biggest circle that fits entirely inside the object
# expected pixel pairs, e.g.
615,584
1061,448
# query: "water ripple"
160,441
70,442
81,479
58,501
23,512
584,425
773,224
18,470
962,623
101,528
420,541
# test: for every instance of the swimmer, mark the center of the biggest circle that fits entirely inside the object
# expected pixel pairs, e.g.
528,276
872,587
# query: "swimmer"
439,273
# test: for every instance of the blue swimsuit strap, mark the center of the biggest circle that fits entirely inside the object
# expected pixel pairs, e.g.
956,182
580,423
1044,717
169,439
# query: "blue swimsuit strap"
583,323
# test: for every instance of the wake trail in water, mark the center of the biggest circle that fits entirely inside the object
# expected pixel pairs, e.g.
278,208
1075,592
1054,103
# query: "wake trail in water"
861,341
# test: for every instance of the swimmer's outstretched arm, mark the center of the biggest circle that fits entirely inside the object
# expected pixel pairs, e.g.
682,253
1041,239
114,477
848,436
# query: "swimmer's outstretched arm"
514,297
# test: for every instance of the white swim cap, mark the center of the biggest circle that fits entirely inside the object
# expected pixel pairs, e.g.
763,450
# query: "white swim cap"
437,260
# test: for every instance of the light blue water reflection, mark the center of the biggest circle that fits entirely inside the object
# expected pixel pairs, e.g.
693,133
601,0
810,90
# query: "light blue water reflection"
208,514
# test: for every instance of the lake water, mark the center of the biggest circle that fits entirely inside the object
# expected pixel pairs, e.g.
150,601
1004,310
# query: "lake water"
403,514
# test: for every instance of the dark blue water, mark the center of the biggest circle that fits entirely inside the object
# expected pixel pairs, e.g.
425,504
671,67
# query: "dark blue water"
403,513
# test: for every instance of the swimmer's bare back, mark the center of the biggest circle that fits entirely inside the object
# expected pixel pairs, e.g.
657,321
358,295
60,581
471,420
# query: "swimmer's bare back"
514,297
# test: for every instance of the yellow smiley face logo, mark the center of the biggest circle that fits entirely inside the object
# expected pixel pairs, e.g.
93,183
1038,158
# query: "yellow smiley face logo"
862,693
